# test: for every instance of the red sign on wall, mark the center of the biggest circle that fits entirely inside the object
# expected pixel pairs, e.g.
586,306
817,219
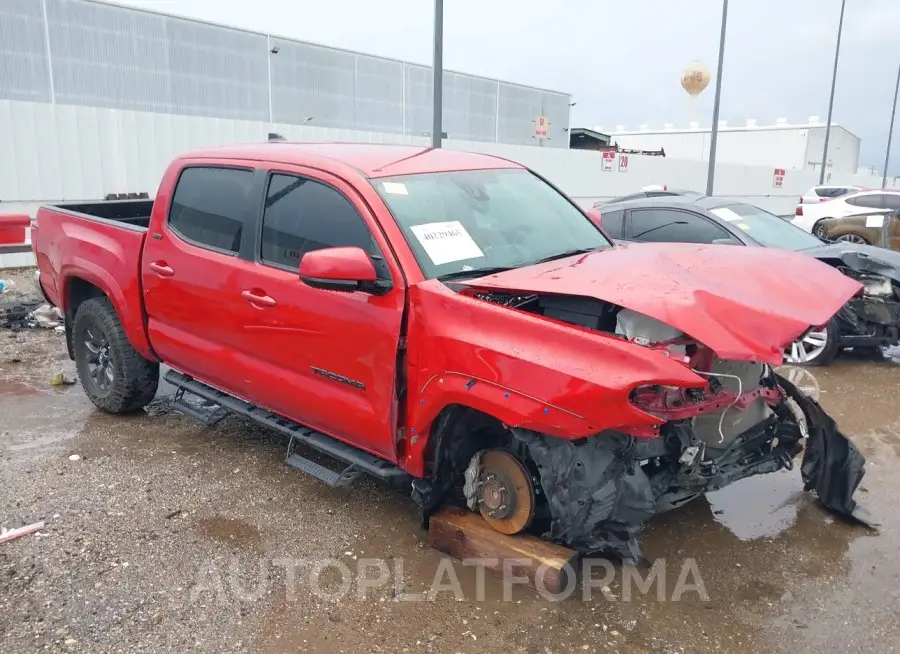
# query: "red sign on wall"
608,157
778,179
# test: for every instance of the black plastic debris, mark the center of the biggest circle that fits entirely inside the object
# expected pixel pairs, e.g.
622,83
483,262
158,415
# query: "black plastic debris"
832,466
598,499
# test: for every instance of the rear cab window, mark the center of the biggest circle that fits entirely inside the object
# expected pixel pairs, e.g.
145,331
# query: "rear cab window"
211,205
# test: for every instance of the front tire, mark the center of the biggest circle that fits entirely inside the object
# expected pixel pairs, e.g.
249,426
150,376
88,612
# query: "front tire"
817,348
114,376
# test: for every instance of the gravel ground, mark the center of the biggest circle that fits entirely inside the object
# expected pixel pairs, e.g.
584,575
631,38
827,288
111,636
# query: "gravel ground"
163,535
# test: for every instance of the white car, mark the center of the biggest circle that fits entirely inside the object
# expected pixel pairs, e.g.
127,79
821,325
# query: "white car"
808,216
818,194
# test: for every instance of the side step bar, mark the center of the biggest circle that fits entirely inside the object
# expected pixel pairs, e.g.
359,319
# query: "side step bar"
217,404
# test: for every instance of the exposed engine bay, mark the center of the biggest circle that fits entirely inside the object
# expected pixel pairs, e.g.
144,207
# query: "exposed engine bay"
596,493
872,318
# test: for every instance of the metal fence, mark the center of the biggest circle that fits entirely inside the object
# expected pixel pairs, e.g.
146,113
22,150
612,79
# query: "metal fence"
86,53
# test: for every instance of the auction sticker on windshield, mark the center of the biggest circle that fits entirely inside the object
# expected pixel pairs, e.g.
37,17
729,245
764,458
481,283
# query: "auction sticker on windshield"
726,214
446,242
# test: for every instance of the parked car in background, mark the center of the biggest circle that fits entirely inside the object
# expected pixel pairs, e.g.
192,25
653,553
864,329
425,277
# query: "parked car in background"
652,191
868,320
648,192
808,217
879,227
818,194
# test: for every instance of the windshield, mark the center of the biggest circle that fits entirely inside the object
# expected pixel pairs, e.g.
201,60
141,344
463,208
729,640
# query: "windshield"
485,220
765,228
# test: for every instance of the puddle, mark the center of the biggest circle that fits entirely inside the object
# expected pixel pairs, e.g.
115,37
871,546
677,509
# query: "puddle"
36,419
15,389
760,506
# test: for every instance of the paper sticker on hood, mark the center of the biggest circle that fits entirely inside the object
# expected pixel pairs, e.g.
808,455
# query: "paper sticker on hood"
744,303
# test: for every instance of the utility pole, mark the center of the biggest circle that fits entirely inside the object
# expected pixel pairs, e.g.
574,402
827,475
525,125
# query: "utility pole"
837,54
714,135
887,155
437,125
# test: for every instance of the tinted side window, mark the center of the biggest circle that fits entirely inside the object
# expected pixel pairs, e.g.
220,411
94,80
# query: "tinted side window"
892,201
209,206
830,192
668,226
611,221
874,201
302,215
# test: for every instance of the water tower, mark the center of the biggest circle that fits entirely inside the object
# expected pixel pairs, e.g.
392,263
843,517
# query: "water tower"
694,79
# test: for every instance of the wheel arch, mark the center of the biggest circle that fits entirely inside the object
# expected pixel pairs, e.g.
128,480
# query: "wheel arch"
458,432
77,291
85,281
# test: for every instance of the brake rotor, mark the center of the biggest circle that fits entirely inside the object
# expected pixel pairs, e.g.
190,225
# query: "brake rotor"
504,492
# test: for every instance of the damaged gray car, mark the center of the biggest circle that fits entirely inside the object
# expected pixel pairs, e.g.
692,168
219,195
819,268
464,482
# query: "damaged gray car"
867,322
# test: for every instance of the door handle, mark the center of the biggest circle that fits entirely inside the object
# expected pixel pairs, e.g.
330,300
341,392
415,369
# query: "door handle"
161,268
258,300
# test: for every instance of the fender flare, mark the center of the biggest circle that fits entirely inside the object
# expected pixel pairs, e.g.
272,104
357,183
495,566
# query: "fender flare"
132,323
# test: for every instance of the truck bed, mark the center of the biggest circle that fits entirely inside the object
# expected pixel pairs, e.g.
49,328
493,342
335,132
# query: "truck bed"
133,213
91,248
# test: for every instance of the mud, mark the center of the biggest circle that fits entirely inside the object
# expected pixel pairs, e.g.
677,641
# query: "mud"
164,535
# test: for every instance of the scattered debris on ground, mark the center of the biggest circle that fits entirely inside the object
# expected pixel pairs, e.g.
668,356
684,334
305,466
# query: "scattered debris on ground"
11,534
60,379
20,298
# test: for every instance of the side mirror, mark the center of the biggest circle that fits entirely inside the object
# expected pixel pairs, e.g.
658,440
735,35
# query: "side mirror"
726,241
344,269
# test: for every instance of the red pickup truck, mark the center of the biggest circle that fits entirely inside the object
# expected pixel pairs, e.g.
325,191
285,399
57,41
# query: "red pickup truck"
449,322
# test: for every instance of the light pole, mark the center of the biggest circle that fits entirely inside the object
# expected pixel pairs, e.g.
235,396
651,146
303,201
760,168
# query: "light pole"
837,54
887,155
437,125
714,134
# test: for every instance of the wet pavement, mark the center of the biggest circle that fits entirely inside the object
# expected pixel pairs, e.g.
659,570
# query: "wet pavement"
165,535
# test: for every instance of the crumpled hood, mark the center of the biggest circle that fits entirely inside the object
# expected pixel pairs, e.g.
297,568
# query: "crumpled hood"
860,257
744,303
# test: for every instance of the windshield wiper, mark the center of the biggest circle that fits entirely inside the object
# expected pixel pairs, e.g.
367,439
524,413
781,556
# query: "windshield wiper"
480,272
563,255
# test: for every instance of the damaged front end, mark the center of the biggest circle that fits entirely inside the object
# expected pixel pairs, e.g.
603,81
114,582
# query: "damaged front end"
645,379
872,318
599,491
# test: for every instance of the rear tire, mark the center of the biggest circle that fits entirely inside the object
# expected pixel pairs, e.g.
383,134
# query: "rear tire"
114,376
818,230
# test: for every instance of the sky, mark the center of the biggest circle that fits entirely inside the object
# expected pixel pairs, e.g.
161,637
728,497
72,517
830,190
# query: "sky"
622,59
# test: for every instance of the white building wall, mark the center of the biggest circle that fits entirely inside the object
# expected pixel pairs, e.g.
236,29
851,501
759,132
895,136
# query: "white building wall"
56,152
790,147
843,150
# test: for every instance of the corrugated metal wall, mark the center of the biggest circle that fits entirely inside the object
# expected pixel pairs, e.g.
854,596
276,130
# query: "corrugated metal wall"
80,52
